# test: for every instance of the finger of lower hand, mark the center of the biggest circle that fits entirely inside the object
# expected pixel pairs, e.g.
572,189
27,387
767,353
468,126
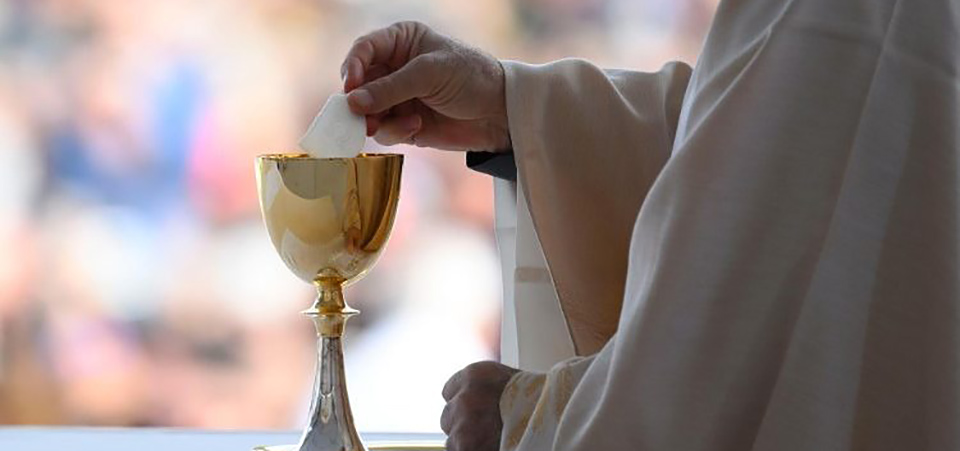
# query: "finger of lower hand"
452,387
471,436
446,419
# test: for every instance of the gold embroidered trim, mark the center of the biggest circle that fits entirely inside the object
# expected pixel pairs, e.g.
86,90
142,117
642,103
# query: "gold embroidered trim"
564,389
535,386
516,433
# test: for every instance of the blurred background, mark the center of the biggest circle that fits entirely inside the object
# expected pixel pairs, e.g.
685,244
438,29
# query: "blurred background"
138,286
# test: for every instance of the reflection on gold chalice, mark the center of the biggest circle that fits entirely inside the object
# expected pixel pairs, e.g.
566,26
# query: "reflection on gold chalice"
329,219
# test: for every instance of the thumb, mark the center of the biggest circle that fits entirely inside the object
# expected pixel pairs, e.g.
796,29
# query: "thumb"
415,79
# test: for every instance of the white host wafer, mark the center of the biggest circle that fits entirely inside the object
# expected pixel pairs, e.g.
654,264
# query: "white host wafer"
336,132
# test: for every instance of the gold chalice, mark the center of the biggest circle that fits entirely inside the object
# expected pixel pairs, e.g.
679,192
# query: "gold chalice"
329,219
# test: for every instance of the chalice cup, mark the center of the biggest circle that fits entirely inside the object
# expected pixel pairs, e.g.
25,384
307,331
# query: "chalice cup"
329,219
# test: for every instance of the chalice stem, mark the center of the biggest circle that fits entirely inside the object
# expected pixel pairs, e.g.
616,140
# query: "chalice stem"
330,426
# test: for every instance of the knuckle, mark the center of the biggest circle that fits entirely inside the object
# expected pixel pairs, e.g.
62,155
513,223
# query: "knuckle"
455,408
365,41
361,46
398,29
410,24
422,62
474,369
433,61
479,370
364,38
366,45
459,411
468,403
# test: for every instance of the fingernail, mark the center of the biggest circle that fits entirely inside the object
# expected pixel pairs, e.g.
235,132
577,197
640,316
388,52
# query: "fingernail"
361,98
352,75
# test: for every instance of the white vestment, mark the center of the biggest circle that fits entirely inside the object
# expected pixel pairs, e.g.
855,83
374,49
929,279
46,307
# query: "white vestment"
793,240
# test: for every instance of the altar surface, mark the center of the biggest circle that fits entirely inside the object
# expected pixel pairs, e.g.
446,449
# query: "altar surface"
154,439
